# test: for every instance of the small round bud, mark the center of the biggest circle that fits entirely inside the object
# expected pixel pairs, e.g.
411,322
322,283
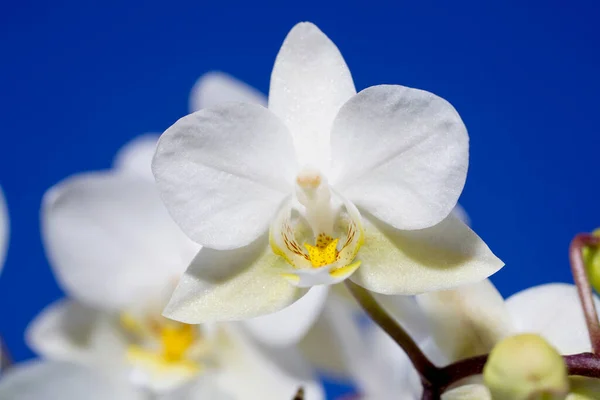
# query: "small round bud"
526,367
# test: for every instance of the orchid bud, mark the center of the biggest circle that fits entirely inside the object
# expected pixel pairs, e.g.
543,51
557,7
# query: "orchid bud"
526,367
591,257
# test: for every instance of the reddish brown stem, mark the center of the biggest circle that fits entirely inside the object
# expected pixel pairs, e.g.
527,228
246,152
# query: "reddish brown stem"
584,288
5,357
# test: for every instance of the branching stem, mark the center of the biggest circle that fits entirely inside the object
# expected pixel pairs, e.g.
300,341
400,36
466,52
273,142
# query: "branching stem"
584,288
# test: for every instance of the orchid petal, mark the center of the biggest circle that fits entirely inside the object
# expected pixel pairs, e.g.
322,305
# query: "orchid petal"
214,88
444,256
468,392
309,84
70,331
467,321
223,172
200,388
252,371
4,228
286,327
554,312
110,240
226,285
390,374
339,358
393,142
406,311
136,156
58,380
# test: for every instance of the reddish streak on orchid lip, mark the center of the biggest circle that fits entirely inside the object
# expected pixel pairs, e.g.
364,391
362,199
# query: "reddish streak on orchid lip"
583,285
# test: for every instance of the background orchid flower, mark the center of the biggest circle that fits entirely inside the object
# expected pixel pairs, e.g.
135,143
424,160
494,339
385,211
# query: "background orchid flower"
344,183
68,381
4,226
117,253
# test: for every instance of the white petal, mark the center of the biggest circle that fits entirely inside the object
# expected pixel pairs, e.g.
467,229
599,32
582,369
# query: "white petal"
70,331
334,342
226,285
444,256
251,371
406,311
309,84
214,88
466,321
136,156
223,172
401,154
201,388
554,312
468,392
110,240
391,374
4,228
62,381
288,326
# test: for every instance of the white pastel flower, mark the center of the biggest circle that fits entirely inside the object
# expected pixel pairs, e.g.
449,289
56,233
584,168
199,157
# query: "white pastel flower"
215,88
117,254
344,184
4,226
36,380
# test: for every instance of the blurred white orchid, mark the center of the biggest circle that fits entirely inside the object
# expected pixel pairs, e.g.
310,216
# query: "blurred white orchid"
465,322
4,227
301,170
117,254
36,380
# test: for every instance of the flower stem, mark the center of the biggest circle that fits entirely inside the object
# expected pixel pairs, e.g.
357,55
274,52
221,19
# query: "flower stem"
299,394
426,369
5,357
583,285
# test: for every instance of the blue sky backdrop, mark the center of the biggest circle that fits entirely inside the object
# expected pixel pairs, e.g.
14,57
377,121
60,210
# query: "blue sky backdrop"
80,78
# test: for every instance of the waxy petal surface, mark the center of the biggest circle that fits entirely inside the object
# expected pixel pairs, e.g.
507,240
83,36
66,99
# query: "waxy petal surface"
222,173
223,285
309,83
446,255
401,154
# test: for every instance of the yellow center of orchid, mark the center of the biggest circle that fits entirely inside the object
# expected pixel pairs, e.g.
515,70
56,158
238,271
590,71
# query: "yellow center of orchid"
324,253
164,348
176,340
321,216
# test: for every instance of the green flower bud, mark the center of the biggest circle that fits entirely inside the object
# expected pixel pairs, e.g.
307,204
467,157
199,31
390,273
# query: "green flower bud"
591,257
526,367
583,388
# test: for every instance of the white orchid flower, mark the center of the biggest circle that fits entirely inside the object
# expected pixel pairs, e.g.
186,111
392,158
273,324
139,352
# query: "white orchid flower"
4,226
117,253
469,321
323,184
35,380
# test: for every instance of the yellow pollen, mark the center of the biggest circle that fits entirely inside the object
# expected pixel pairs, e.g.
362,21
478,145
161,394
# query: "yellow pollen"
324,253
176,340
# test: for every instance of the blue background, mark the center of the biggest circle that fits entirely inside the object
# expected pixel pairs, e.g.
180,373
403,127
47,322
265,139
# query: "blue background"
79,79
